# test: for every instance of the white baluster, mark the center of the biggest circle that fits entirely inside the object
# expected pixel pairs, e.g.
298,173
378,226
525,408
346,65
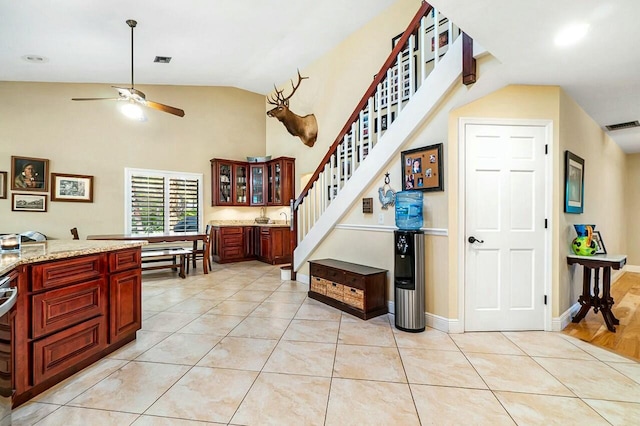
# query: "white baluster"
411,73
450,33
423,52
401,76
355,147
436,37
370,140
331,176
390,84
378,115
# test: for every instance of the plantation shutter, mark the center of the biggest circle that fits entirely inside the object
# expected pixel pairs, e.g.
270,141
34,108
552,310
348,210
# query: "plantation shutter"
147,204
184,213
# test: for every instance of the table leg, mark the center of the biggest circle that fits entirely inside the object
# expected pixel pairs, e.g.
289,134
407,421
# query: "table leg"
205,259
182,263
585,299
607,301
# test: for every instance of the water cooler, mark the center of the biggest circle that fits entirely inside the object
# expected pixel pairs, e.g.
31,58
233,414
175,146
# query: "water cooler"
408,271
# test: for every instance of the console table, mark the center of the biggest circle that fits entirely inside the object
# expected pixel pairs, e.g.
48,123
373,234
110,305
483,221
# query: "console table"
588,299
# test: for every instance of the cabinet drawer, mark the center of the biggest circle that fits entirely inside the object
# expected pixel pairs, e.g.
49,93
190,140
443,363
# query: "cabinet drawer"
65,272
233,252
60,351
57,309
353,280
123,260
335,291
235,230
327,273
354,297
231,240
319,285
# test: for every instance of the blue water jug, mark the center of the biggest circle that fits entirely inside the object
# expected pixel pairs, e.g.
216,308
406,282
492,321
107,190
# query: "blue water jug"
409,210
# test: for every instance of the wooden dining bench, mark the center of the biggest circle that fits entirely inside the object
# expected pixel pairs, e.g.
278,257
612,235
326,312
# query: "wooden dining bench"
174,258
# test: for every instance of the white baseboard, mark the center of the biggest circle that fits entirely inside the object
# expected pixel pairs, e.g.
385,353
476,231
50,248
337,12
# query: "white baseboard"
304,279
559,323
630,268
437,322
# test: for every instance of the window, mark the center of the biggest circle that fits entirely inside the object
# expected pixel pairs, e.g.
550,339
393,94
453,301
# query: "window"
161,201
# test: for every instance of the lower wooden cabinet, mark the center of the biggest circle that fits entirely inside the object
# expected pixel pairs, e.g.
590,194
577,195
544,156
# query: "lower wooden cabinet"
56,353
270,244
125,317
356,289
65,321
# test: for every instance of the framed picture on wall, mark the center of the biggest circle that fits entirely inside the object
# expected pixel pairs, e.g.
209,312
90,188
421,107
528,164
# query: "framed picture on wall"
66,187
28,202
422,169
29,174
573,183
3,184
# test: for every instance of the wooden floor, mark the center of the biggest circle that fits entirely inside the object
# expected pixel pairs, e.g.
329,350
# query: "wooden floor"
626,340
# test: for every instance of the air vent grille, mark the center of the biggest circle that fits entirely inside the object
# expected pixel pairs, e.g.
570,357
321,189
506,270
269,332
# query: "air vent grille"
620,126
162,59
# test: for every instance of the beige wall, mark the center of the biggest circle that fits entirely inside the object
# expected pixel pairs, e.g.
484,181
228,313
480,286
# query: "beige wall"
93,138
604,193
336,84
632,207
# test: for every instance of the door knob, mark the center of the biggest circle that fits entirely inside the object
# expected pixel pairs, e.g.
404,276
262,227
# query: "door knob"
473,239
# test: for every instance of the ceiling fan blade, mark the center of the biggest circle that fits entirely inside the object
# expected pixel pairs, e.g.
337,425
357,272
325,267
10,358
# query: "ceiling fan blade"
96,99
165,108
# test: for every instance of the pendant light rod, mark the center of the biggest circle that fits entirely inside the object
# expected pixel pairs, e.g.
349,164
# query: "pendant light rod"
131,24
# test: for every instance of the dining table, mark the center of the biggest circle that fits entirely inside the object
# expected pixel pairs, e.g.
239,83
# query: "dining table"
162,237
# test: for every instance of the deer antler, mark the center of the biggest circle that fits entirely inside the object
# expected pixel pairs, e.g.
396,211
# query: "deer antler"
280,99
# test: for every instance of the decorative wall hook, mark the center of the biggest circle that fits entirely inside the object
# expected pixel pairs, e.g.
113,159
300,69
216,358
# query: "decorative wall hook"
388,197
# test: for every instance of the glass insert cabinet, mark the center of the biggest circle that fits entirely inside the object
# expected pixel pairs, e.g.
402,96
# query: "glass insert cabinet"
239,183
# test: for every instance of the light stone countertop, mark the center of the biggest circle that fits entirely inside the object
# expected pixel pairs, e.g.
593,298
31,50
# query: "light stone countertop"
59,249
274,224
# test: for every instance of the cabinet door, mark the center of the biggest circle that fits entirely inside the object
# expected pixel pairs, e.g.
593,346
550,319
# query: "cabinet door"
241,185
257,185
222,181
280,245
274,183
265,245
249,240
125,310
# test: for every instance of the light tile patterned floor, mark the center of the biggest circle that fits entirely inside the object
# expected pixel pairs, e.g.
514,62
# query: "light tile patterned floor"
241,347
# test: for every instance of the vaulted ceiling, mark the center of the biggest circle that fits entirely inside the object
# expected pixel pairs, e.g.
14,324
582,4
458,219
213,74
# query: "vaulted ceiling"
252,44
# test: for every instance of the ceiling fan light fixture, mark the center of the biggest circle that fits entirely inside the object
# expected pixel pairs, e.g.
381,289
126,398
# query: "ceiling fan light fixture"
133,111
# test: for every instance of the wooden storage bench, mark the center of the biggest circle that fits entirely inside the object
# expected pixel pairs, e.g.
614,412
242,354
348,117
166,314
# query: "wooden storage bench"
177,259
356,289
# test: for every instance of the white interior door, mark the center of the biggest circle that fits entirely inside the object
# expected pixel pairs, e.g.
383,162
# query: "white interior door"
505,212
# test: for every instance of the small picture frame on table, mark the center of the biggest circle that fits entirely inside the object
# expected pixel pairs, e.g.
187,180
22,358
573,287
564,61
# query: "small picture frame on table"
598,239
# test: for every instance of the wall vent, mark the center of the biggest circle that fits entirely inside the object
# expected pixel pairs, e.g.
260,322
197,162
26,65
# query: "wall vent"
620,126
162,59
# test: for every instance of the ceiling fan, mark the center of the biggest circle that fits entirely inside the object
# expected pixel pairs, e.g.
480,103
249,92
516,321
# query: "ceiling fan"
135,97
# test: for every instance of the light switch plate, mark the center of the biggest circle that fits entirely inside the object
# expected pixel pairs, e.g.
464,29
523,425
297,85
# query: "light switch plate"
381,218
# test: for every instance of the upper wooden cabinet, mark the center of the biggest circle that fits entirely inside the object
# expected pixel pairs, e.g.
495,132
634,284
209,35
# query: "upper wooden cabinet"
237,183
229,183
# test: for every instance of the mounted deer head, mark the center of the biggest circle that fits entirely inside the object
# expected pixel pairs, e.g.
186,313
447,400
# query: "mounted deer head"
306,128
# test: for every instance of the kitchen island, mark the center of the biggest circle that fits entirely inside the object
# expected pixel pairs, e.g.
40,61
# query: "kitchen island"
77,302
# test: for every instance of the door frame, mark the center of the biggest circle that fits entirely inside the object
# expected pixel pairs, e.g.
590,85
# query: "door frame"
548,201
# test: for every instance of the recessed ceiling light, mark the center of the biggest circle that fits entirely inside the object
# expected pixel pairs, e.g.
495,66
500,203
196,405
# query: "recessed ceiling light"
571,35
36,59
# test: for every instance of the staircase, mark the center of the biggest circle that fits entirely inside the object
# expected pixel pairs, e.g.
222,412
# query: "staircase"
404,93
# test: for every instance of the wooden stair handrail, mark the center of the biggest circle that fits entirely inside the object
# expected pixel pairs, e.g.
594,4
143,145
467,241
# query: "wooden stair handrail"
382,74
